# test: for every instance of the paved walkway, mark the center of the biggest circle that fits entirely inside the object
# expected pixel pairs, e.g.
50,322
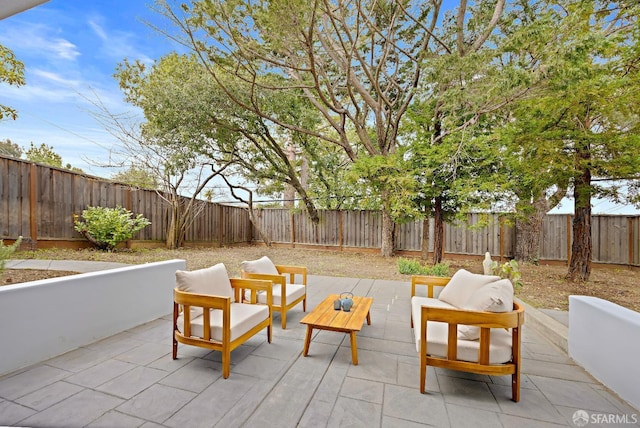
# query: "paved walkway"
130,380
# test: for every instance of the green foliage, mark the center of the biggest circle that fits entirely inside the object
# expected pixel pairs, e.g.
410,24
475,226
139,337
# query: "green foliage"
7,250
7,148
509,270
138,177
43,154
11,72
413,267
107,227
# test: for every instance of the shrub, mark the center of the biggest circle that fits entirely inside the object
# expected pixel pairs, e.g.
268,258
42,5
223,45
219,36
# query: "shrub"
7,250
107,227
509,270
413,267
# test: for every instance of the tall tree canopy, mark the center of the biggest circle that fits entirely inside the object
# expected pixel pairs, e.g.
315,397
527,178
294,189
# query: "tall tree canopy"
357,63
582,128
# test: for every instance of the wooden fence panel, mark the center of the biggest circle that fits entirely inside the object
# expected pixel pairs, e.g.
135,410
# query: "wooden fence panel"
554,237
59,194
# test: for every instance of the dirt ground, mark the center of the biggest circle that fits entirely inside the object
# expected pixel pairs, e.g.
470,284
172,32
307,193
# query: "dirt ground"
544,285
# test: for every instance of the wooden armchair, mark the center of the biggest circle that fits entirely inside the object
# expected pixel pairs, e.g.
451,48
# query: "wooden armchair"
208,311
286,292
485,341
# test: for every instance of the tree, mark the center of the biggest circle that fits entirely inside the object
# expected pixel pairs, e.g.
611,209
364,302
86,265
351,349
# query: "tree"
583,127
186,110
138,177
358,64
7,148
11,72
43,154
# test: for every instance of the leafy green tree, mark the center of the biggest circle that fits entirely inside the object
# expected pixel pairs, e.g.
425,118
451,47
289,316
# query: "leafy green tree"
12,73
7,148
582,126
357,64
138,177
43,154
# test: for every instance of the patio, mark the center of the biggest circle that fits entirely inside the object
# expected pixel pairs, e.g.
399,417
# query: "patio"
130,380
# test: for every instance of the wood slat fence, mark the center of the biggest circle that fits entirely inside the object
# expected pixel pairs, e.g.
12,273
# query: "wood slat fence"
38,202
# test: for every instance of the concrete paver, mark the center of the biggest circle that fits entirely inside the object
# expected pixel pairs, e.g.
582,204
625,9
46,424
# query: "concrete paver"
131,380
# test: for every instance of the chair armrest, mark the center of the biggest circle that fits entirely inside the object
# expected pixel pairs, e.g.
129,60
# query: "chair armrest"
292,271
485,320
254,285
204,301
185,298
511,319
429,281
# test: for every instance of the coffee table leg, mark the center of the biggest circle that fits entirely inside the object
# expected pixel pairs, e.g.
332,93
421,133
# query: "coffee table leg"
369,318
307,341
354,349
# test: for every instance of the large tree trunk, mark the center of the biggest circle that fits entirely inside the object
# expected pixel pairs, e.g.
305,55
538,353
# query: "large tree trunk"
171,242
581,247
424,250
438,231
388,244
528,232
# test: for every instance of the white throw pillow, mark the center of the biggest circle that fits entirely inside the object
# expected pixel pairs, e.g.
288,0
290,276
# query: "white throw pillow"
262,265
213,281
462,285
494,297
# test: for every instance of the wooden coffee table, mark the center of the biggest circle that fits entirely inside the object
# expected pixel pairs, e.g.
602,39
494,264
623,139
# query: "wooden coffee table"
324,317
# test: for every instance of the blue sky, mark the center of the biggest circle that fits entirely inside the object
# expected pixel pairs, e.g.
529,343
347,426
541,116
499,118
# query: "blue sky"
70,50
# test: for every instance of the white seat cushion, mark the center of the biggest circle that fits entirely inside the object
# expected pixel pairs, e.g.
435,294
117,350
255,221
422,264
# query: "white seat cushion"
263,265
243,318
462,285
294,291
437,332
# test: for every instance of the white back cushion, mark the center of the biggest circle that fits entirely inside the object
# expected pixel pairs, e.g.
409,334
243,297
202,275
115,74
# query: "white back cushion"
262,265
462,285
494,297
213,281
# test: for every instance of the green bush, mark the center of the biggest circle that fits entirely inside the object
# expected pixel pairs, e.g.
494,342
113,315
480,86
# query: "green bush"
7,250
413,267
107,227
509,270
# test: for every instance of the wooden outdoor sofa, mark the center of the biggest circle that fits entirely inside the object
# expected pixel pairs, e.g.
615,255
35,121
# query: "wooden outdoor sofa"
472,326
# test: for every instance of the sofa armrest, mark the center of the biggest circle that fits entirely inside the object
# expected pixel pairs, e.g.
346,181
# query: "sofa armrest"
484,320
429,281
204,301
254,285
292,271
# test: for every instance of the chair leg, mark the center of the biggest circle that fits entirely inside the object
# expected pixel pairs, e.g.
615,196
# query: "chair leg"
515,386
423,373
283,317
175,347
304,304
226,363
269,333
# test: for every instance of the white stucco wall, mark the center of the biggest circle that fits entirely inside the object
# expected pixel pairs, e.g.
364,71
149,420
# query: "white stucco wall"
604,338
43,319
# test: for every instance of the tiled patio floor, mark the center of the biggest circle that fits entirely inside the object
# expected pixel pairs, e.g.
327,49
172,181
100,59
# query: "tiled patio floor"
130,380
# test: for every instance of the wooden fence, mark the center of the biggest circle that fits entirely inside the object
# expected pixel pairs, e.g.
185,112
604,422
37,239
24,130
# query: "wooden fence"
39,202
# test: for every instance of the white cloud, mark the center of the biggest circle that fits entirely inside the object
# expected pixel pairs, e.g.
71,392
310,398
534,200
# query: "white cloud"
118,44
38,39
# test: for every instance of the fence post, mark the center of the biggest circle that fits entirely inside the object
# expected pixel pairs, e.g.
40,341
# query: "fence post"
630,240
220,225
341,229
568,239
501,239
33,205
293,229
